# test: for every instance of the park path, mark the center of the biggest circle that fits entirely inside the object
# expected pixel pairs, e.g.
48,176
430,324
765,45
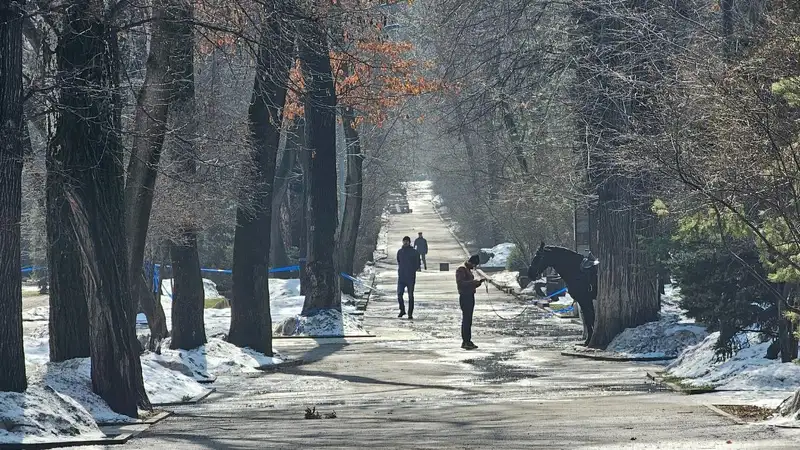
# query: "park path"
413,387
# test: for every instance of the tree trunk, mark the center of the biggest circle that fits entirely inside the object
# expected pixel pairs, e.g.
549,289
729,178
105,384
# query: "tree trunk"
322,291
354,190
278,256
627,291
188,324
152,109
12,352
251,323
305,163
89,149
610,113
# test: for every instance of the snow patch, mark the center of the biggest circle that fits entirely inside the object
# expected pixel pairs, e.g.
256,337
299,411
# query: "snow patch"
214,358
328,322
40,415
37,314
501,254
72,378
665,338
748,369
506,278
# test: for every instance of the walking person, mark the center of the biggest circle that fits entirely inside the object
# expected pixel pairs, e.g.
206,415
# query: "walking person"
407,266
467,284
421,245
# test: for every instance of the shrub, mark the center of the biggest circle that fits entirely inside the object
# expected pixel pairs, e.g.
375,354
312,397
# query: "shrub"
518,261
724,292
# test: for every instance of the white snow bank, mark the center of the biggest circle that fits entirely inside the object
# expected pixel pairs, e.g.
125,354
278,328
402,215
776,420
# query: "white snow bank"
501,253
72,378
327,322
285,301
209,288
748,369
37,314
41,414
505,278
665,338
214,358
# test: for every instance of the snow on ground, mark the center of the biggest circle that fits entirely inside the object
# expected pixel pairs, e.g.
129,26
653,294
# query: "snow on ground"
501,253
664,338
505,278
326,322
214,358
72,378
37,314
41,414
748,369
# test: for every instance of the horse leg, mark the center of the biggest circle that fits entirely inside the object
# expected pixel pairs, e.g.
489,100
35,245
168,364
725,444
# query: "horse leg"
588,319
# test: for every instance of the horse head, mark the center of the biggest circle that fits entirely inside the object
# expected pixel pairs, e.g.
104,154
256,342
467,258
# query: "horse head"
539,263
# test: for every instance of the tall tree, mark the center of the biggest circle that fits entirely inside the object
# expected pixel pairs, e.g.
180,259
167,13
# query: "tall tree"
150,124
322,291
11,154
89,153
188,326
354,195
610,111
251,323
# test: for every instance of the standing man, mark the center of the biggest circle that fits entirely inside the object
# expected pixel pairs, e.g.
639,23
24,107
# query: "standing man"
407,266
422,248
467,284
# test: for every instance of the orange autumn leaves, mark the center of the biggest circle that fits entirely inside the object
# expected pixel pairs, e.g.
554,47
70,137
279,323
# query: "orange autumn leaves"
372,78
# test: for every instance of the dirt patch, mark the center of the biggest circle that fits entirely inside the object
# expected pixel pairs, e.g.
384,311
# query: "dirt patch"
748,413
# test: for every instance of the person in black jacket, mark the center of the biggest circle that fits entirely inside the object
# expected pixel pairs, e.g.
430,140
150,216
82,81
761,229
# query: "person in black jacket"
407,265
421,245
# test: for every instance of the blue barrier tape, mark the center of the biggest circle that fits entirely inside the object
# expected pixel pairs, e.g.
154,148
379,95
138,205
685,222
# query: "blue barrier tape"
32,268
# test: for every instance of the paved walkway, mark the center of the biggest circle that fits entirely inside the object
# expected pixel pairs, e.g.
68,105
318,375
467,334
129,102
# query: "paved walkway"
413,387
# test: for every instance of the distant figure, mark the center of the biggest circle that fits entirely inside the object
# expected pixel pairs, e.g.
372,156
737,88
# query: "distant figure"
422,248
407,266
467,284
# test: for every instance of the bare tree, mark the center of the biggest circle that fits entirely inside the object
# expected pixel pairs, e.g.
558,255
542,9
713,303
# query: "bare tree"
11,154
322,214
188,325
89,155
251,324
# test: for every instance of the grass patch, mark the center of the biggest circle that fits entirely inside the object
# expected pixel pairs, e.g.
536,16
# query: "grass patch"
748,413
685,387
31,293
217,303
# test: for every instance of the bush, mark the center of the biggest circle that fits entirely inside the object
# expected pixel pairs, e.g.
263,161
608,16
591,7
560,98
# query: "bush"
719,290
518,261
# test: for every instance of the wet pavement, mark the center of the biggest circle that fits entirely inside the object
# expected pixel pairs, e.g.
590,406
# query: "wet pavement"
413,387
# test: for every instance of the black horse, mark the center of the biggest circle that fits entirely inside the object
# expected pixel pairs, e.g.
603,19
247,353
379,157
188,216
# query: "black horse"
578,272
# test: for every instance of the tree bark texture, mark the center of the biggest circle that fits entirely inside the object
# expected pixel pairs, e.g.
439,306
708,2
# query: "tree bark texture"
627,283
354,195
305,163
283,174
152,109
89,154
609,112
188,324
322,214
12,355
251,323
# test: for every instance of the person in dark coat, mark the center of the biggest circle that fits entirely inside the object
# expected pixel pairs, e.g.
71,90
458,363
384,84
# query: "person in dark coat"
407,266
467,284
421,245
